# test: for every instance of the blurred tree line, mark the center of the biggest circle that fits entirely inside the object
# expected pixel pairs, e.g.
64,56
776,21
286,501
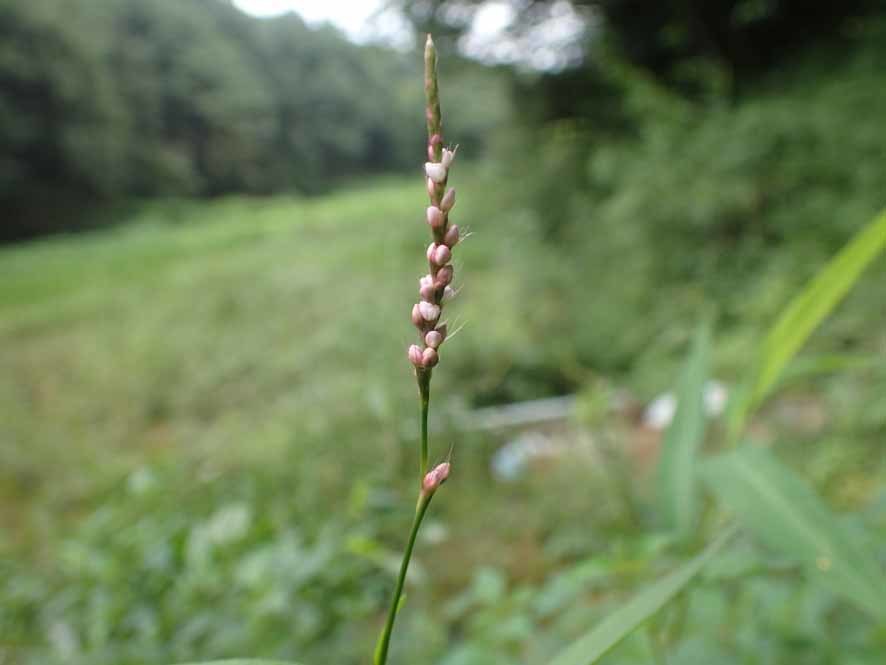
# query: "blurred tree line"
102,100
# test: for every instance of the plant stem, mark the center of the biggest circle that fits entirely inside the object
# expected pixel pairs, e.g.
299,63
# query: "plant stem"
424,390
381,650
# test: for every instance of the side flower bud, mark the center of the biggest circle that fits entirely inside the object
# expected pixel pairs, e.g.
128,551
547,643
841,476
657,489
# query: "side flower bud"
415,356
433,339
429,358
436,171
417,319
429,311
434,478
448,201
436,220
441,255
448,293
444,276
451,238
448,156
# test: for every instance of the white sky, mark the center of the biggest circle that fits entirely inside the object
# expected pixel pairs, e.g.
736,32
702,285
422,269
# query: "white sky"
543,47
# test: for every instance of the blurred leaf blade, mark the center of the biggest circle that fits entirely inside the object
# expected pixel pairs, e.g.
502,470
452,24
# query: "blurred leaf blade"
676,471
804,314
619,624
238,661
783,512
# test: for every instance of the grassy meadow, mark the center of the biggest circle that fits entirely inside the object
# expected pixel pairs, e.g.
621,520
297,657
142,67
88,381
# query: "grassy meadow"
209,440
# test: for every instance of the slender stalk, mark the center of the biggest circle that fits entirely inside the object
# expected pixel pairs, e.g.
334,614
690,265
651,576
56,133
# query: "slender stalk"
424,389
433,289
384,640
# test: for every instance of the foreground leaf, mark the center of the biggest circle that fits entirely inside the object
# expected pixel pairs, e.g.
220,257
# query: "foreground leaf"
780,508
241,662
621,623
803,315
676,471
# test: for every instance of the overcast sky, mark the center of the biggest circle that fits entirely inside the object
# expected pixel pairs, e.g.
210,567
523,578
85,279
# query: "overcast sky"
544,46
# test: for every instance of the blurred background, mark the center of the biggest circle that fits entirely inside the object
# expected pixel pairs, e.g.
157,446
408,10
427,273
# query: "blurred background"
212,229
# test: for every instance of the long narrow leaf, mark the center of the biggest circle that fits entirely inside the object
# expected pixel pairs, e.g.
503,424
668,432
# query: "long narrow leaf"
676,471
803,315
614,628
783,511
242,662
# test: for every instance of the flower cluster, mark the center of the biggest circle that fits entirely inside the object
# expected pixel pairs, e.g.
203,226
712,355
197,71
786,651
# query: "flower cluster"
436,287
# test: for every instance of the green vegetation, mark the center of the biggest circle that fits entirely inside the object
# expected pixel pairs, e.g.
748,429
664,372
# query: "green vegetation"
208,427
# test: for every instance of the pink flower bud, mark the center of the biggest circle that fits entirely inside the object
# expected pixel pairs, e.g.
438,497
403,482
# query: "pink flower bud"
415,355
417,319
435,477
448,293
433,339
429,357
428,292
448,156
444,276
432,189
436,172
435,217
429,311
448,201
432,248
441,255
451,238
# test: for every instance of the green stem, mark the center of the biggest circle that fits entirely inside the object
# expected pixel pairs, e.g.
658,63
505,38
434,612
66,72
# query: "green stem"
424,390
381,650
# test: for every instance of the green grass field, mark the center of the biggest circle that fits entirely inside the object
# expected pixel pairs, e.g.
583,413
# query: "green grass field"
209,434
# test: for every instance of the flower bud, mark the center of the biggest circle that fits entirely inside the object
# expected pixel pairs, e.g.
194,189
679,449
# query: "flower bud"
448,293
415,355
428,292
417,319
441,255
436,172
451,238
448,156
429,311
444,276
434,478
448,200
429,357
433,339
432,189
436,220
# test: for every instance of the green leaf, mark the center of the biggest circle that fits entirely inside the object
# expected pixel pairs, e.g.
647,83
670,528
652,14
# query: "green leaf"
241,662
783,512
803,315
610,631
676,471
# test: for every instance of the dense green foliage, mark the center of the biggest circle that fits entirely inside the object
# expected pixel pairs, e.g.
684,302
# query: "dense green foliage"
118,98
208,426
